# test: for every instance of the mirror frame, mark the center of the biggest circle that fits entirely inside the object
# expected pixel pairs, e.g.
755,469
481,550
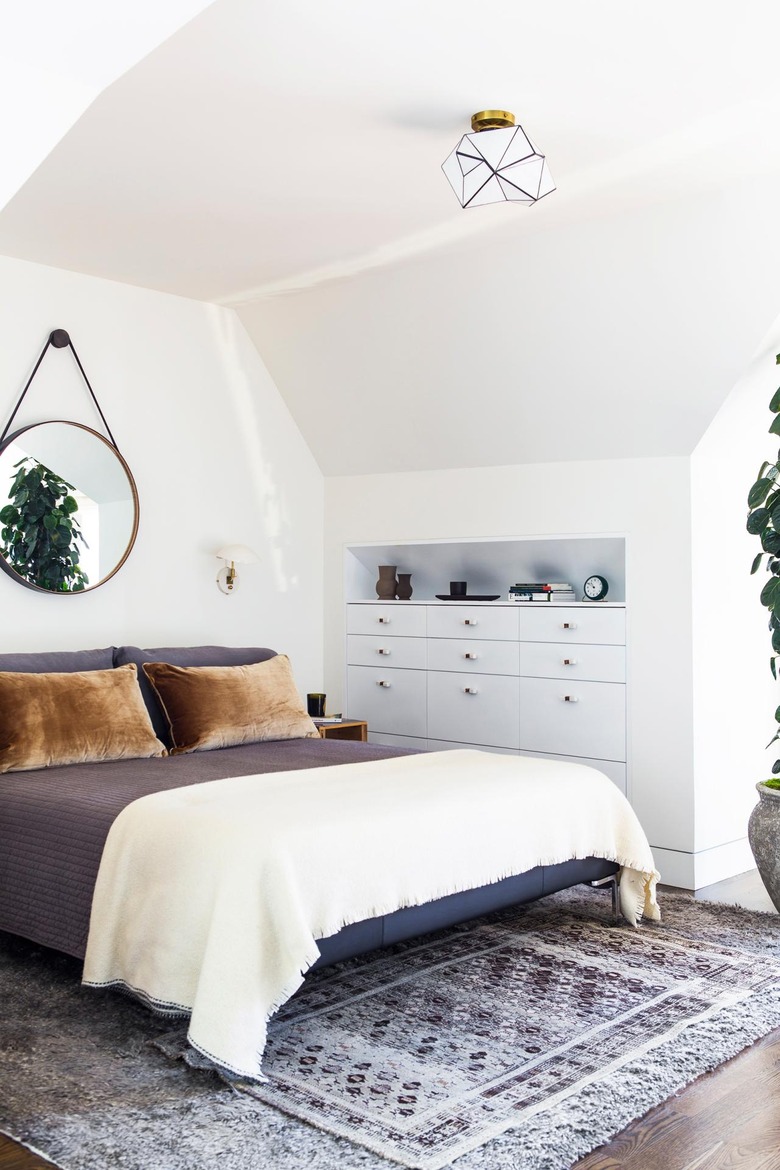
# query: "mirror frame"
4,565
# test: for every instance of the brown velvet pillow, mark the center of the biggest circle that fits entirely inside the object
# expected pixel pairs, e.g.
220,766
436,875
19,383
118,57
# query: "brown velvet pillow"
77,718
222,706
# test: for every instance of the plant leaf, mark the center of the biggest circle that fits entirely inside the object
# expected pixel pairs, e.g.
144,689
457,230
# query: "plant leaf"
769,592
757,493
758,520
775,403
756,561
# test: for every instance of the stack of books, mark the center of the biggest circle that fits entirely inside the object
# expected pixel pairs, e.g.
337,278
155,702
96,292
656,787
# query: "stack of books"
542,591
323,720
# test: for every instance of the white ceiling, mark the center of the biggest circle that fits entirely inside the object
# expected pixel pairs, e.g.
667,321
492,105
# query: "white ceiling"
285,158
56,58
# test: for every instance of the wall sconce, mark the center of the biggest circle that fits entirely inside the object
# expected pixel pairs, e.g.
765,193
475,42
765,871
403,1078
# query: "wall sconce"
235,554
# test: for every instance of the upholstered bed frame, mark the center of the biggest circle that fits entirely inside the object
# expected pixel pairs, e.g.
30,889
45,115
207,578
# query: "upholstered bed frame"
54,821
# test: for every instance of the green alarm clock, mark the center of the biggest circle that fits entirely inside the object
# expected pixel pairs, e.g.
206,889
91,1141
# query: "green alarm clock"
595,588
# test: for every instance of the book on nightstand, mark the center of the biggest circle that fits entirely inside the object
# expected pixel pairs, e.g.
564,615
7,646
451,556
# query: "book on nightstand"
323,720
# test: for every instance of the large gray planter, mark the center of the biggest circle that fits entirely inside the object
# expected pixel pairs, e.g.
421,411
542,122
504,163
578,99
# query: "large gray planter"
764,837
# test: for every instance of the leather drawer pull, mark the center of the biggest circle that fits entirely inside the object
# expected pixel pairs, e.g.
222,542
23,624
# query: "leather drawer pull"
384,651
383,621
471,657
566,661
570,699
470,622
470,691
564,625
382,683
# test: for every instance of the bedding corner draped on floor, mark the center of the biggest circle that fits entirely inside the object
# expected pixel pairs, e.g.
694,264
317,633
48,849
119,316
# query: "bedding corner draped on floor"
210,899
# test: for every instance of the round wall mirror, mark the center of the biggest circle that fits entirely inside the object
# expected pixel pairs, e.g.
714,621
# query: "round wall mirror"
68,508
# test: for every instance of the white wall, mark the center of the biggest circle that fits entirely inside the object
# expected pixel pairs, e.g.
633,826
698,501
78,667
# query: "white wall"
734,694
216,458
648,501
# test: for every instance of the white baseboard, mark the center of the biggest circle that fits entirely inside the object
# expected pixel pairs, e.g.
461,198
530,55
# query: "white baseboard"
725,861
675,868
692,871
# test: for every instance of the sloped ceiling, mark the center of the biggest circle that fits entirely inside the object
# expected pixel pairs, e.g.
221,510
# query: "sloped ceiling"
56,58
285,159
619,338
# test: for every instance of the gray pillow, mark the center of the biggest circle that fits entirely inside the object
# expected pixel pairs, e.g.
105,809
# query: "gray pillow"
58,661
183,656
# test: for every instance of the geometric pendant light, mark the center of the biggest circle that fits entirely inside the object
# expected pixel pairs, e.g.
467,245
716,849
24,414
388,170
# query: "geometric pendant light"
497,163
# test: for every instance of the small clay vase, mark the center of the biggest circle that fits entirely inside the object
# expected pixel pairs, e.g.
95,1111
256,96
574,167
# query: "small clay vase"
404,591
387,585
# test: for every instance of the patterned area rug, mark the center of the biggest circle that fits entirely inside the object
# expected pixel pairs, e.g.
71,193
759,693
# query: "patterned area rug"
524,1040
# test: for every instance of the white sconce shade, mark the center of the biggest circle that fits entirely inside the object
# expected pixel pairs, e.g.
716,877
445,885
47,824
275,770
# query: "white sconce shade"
235,554
241,554
498,163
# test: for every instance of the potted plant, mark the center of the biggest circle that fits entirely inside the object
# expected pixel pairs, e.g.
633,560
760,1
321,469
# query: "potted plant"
764,522
40,534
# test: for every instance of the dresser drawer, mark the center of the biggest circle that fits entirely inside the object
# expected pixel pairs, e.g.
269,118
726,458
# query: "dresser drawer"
473,657
480,709
393,618
449,745
573,718
397,741
475,621
548,622
562,660
383,650
614,769
389,700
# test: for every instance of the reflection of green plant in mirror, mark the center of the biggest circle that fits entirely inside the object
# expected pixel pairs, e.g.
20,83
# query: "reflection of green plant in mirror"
40,534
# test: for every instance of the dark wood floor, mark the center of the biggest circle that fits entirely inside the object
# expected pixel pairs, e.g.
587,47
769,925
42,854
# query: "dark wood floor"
14,1157
728,1119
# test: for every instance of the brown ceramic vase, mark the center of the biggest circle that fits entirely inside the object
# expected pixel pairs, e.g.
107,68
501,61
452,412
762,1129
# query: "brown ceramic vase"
386,586
404,590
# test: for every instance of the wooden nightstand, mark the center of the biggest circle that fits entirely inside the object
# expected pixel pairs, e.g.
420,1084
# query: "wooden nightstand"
346,729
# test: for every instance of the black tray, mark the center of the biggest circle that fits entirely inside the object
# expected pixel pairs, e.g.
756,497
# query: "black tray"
468,596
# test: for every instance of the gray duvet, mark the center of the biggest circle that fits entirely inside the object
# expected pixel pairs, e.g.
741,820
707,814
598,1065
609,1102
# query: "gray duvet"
54,823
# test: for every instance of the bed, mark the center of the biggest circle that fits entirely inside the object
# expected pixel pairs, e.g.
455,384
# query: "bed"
55,821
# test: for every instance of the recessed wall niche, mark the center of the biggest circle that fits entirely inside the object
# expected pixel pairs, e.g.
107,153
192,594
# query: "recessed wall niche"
488,566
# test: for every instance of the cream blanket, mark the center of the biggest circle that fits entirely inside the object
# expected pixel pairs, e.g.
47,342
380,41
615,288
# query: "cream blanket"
209,898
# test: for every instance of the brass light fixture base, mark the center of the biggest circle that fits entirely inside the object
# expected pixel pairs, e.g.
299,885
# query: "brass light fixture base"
227,579
492,120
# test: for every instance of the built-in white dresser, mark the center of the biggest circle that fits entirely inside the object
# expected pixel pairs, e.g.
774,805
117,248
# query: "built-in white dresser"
524,678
